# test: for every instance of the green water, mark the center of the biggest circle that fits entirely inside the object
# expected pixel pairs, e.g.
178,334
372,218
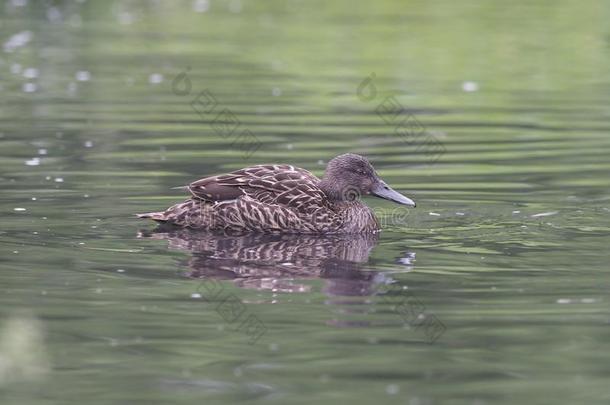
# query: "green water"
494,290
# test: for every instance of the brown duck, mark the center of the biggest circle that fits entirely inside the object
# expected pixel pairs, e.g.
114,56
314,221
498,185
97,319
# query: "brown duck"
284,198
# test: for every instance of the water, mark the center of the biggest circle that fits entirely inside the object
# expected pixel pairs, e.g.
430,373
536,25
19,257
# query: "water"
493,290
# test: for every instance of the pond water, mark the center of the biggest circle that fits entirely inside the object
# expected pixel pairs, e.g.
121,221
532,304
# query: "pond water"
495,118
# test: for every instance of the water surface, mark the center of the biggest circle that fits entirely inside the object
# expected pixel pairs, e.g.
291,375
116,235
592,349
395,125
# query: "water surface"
493,290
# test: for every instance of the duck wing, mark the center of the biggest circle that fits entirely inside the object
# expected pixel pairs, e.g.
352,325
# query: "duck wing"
285,185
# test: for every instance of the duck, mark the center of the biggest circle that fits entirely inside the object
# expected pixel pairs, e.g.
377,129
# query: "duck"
282,198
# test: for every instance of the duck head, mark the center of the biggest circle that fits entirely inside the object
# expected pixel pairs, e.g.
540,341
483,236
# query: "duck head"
350,176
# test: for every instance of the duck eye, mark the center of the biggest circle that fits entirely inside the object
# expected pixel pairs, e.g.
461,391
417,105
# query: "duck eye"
361,172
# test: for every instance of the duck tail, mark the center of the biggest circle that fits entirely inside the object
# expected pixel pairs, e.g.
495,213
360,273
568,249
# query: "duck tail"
186,214
157,216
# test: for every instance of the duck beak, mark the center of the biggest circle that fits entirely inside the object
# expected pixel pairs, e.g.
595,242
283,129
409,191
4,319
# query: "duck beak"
382,190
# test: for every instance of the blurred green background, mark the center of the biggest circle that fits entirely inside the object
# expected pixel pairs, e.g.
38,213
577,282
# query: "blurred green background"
508,245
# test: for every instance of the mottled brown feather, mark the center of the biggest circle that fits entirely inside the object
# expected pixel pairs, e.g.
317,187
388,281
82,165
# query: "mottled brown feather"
271,184
266,198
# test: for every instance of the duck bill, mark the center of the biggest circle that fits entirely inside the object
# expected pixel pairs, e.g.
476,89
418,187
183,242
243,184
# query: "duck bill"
382,190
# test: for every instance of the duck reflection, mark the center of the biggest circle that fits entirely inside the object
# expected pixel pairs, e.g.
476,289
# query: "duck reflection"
277,261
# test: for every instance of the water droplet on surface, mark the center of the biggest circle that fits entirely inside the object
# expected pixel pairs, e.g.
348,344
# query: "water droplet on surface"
470,87
544,214
19,209
30,73
83,76
33,162
17,41
29,87
155,78
195,295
